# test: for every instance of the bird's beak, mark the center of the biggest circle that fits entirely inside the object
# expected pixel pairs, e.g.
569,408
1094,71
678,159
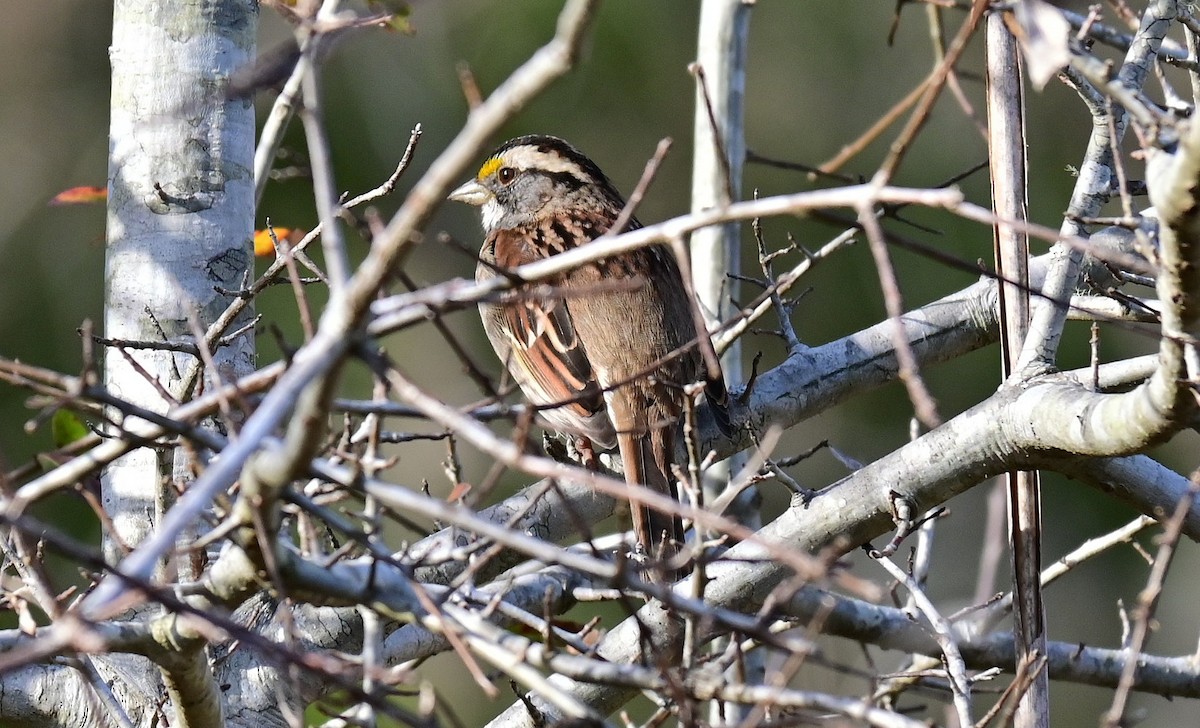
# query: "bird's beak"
471,193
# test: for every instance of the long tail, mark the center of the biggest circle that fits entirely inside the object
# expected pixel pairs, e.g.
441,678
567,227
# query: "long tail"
647,459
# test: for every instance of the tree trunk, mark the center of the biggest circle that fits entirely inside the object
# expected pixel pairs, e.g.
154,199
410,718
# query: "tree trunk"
180,228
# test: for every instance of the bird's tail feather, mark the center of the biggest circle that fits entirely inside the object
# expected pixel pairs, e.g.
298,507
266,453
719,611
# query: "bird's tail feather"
647,459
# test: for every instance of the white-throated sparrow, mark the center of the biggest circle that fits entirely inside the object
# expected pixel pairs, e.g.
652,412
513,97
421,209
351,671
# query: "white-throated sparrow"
607,359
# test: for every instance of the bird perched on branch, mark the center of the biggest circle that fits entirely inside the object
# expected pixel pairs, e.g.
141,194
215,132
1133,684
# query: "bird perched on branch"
607,354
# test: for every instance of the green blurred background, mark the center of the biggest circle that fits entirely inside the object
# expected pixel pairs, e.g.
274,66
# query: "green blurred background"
820,72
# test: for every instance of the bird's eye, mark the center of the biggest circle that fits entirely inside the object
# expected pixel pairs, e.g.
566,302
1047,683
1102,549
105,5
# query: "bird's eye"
506,175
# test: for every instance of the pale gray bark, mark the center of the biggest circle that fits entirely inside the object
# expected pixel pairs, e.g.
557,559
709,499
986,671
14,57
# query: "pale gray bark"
718,154
180,223
180,220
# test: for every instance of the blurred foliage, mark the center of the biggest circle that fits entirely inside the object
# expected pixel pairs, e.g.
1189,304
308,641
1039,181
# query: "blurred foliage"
820,73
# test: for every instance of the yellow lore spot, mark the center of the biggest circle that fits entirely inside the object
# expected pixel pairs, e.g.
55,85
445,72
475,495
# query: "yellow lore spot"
489,167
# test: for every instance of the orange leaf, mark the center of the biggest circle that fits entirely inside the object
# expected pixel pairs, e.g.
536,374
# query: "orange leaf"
80,196
263,247
458,492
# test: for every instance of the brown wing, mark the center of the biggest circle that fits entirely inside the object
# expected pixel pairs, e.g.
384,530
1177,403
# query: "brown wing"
537,341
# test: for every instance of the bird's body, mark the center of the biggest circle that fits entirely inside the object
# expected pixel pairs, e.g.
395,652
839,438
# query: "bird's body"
615,343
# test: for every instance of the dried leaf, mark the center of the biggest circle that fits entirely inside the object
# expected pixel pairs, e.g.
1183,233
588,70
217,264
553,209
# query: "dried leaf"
264,247
459,491
84,195
1044,39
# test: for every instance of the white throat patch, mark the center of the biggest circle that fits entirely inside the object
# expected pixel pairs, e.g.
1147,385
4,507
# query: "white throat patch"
492,213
